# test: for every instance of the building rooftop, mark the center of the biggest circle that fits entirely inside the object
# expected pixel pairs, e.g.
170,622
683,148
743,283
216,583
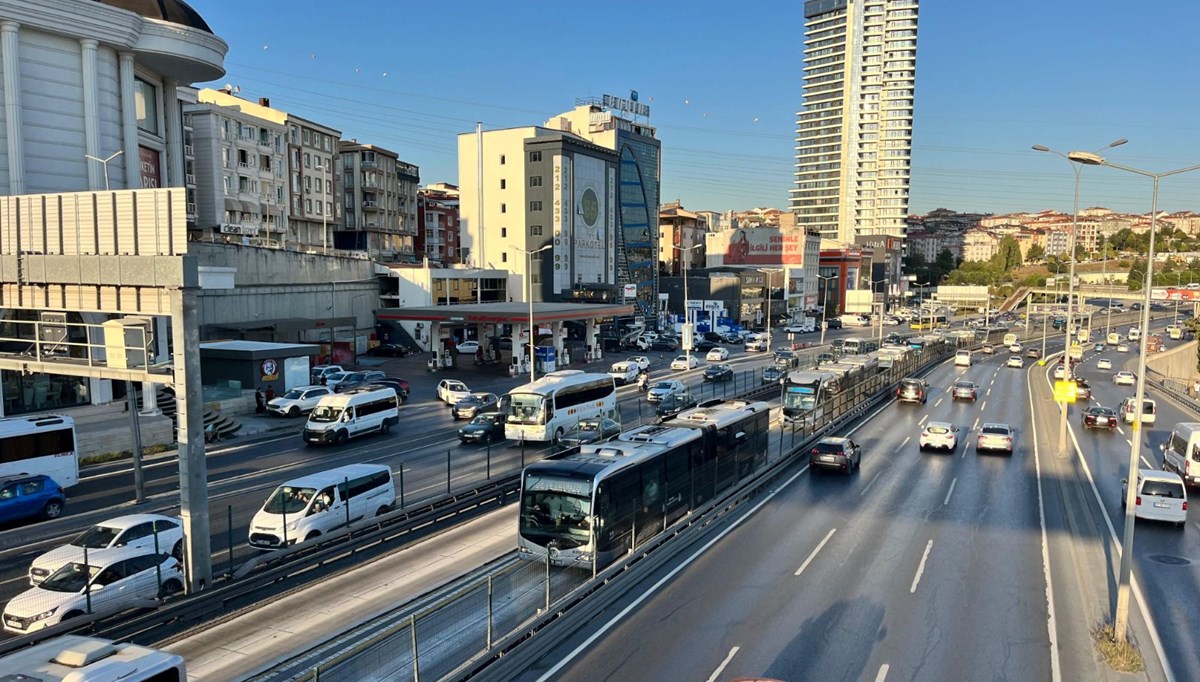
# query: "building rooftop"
173,11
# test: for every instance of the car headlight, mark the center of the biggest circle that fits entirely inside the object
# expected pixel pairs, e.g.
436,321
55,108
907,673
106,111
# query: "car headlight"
44,614
292,525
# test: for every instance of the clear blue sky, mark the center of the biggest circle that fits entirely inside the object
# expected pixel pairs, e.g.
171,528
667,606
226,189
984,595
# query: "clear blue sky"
723,83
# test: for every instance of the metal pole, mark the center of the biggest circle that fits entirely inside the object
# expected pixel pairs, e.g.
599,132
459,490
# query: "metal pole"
490,592
135,427
489,458
229,536
1068,375
412,628
402,486
547,578
447,471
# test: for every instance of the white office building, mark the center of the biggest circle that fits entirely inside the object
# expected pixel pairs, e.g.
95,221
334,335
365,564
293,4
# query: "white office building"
854,133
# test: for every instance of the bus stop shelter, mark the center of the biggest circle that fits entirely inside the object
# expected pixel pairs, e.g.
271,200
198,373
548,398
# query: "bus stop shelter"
430,321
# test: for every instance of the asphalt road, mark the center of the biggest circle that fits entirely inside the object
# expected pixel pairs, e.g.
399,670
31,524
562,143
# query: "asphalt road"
921,566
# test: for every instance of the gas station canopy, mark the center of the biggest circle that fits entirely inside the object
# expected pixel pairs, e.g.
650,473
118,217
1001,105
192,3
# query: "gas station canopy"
504,313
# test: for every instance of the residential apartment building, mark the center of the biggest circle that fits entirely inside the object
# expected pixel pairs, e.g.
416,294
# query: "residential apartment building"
437,226
379,202
1058,241
541,188
930,244
680,239
979,245
239,162
854,133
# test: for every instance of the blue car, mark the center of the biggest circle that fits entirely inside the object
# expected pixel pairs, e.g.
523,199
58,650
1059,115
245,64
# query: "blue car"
29,497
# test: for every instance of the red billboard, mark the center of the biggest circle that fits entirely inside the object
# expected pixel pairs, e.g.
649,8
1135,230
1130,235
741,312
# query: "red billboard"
755,246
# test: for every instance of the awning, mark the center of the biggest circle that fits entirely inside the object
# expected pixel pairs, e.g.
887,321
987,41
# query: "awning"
232,204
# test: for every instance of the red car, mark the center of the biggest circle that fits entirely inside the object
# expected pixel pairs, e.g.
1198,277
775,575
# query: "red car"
1100,418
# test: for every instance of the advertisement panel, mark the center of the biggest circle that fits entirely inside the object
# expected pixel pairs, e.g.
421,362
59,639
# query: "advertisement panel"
860,301
589,221
755,246
562,224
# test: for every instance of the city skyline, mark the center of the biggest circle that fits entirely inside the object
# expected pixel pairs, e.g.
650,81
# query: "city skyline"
991,84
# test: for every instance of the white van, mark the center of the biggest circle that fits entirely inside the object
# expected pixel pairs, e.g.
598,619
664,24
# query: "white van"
624,372
1113,339
851,320
86,659
1161,496
962,358
338,418
1134,334
756,343
310,506
1181,453
1127,411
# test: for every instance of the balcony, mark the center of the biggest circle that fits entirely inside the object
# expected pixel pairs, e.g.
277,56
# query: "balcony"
370,205
187,150
191,210
189,179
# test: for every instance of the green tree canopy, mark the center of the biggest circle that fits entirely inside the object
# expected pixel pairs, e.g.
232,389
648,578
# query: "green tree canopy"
1035,253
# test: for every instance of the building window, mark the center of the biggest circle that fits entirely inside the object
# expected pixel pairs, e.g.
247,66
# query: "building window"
308,205
535,206
329,186
535,181
501,159
145,104
504,257
535,156
307,160
503,184
535,230
504,208
503,232
329,207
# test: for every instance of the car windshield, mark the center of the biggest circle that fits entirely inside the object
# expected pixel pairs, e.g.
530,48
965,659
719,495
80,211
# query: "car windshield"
681,358
70,578
556,508
294,394
325,413
335,377
485,419
96,537
664,386
288,500
354,376
526,408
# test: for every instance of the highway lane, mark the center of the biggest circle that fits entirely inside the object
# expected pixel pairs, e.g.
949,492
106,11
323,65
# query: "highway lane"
1165,557
921,566
241,477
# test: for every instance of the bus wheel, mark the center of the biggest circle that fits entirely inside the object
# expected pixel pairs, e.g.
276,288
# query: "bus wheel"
558,435
387,426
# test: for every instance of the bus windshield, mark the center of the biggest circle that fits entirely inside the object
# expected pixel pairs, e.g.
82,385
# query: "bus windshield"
526,408
288,500
558,509
325,413
796,397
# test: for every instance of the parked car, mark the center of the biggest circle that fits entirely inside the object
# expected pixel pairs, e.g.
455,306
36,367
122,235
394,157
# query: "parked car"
483,428
30,497
450,391
717,355
642,362
664,343
130,531
995,436
332,379
721,372
474,404
675,403
110,582
398,385
703,345
940,435
1160,497
663,389
773,374
964,390
685,362
590,430
467,347
298,401
353,380
1098,417
319,372
841,454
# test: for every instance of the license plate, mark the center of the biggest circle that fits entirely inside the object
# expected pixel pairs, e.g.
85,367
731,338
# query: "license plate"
828,458
1161,505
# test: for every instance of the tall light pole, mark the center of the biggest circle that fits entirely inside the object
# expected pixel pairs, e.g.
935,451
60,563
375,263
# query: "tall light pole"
767,289
105,163
1076,167
688,337
825,306
881,306
1121,620
528,295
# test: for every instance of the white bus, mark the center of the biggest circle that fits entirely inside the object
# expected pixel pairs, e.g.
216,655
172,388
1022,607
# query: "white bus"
803,391
549,407
44,445
857,346
84,659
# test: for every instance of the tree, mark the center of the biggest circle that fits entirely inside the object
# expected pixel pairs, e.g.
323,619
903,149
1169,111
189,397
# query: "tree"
1008,254
1035,253
944,264
1137,273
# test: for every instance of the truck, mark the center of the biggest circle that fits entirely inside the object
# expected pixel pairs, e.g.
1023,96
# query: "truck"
1154,344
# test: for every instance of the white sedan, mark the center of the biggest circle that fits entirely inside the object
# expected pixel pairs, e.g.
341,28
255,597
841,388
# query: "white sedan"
468,347
683,362
450,391
1060,372
642,362
298,401
1104,363
1015,361
941,435
1123,348
717,354
1124,378
131,531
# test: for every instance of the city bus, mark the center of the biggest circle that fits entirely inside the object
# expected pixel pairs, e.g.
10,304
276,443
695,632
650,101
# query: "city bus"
544,410
857,346
928,322
44,444
803,391
590,507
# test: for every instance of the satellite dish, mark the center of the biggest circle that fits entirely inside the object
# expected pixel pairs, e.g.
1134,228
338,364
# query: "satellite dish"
237,89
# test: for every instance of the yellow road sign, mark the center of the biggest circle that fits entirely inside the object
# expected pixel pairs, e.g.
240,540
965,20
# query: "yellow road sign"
1064,392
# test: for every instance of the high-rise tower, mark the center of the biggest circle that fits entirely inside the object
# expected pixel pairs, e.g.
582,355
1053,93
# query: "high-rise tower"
854,133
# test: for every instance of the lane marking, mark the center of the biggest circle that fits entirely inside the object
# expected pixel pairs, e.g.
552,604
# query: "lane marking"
813,555
1129,442
939,402
882,675
717,673
1148,464
620,617
975,426
906,439
920,568
1120,430
983,406
950,492
988,392
867,420
922,422
869,484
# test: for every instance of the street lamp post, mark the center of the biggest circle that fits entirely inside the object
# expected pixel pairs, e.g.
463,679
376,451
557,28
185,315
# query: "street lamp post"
529,296
825,306
1121,619
1076,167
686,317
104,162
767,289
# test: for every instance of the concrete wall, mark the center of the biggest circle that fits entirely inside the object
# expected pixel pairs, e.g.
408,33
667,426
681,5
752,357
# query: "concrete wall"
106,430
275,284
1176,363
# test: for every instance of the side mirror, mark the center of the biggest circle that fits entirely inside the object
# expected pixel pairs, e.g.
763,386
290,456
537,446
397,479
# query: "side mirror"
1162,446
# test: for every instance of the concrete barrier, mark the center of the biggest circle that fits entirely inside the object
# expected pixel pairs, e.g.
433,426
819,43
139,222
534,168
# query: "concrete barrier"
1177,363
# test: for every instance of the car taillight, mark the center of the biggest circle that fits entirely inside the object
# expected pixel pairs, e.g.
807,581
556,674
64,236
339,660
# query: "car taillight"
815,451
1185,505
1139,501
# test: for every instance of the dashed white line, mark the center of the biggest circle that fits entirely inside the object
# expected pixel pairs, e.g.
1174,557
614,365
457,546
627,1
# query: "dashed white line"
906,439
1121,431
920,568
1129,442
882,675
922,422
1147,463
988,392
869,484
983,406
720,668
939,402
951,491
975,425
813,555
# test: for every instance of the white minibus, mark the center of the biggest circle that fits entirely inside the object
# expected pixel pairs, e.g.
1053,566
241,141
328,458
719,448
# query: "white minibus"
313,505
1181,454
338,418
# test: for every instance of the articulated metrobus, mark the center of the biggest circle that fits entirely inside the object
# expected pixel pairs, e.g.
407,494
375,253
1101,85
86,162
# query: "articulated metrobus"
43,445
802,391
545,409
599,503
928,322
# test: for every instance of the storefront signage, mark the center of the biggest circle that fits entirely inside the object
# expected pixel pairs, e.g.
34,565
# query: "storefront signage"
248,230
270,370
149,168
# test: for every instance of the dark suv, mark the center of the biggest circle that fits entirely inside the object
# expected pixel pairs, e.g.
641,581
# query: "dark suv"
356,379
28,497
912,391
841,454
